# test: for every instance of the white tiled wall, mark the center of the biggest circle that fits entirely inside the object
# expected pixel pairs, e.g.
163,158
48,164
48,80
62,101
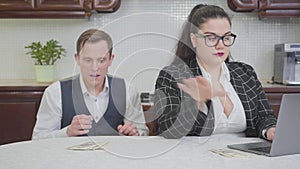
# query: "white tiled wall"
144,33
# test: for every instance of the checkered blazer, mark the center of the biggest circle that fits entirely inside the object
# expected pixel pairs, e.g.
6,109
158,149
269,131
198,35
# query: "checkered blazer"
178,114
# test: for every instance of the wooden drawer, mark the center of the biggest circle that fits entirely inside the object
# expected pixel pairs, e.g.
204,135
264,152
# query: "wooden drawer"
274,95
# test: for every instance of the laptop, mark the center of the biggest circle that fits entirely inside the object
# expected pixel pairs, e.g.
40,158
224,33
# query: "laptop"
287,138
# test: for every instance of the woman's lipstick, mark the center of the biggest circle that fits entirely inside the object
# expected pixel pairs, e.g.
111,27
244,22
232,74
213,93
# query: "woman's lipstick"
220,54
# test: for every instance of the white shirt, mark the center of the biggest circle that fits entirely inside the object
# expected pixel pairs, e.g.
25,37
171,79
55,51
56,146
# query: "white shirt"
48,123
236,122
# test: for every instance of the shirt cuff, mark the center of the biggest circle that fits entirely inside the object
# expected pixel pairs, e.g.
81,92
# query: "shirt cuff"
203,107
63,132
264,133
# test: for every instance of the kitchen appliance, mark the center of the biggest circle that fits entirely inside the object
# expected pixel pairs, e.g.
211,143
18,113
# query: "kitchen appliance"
287,64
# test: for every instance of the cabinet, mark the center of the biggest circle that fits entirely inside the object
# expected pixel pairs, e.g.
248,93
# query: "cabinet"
106,5
55,8
267,8
18,108
18,5
274,95
279,8
151,119
19,103
242,5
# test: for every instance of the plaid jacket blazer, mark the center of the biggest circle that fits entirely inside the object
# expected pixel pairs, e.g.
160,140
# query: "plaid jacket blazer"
178,114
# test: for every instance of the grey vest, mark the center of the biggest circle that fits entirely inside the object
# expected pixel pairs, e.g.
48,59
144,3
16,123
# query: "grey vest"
73,104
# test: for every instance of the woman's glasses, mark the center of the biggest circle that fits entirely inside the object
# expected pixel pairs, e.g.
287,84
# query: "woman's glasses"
213,40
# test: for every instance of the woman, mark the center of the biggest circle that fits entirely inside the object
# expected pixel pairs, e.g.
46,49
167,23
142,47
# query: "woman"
202,92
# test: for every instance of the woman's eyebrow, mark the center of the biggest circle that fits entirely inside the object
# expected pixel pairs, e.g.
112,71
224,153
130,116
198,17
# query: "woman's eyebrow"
212,33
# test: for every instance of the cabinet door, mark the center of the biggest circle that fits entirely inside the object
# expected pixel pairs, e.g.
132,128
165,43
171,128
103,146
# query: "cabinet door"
279,8
18,110
16,5
274,95
55,8
279,4
60,5
274,101
106,5
242,5
45,8
151,119
17,121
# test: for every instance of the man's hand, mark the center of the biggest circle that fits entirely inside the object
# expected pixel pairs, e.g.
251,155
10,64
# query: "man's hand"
81,124
128,129
271,133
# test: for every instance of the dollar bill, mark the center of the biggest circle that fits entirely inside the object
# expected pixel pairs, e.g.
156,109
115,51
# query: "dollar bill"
89,146
228,153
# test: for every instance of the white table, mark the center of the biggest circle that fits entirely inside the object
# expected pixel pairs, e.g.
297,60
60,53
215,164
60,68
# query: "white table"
138,153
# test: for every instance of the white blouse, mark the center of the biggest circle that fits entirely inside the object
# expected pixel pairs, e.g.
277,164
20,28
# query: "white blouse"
236,121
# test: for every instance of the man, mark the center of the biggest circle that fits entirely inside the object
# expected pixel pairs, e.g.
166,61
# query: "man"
91,103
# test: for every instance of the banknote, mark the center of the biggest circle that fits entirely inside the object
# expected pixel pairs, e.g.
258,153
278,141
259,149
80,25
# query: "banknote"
228,153
88,146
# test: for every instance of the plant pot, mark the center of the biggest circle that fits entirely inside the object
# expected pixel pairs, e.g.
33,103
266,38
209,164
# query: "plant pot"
44,73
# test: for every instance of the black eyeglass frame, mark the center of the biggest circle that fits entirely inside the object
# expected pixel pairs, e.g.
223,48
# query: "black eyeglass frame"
199,35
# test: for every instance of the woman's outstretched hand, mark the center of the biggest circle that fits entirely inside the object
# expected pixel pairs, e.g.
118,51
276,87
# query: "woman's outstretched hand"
199,89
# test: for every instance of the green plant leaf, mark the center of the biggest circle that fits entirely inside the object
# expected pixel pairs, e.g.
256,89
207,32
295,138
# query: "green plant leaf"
46,54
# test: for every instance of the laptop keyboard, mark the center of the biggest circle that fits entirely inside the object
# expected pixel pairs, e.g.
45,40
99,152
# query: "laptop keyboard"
262,149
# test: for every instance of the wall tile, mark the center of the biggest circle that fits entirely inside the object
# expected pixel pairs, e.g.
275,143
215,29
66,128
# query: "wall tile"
144,33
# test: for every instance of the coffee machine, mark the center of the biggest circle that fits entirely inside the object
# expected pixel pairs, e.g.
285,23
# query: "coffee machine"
287,64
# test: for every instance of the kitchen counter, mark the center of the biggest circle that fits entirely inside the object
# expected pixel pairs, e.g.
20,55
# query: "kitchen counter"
33,82
279,88
22,82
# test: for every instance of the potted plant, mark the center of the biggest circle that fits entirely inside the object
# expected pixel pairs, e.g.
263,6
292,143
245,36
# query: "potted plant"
45,57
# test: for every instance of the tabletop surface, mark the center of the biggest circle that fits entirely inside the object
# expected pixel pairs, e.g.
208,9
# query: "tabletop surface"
139,152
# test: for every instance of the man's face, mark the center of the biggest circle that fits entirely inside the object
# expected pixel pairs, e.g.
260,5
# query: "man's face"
94,60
